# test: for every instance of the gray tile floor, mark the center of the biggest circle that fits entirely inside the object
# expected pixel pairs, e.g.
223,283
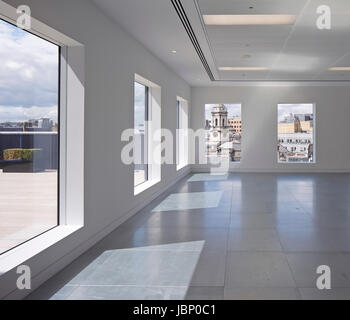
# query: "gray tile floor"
233,236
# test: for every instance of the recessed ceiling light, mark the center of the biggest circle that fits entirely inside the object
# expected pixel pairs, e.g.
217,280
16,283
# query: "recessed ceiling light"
339,69
249,19
243,68
173,51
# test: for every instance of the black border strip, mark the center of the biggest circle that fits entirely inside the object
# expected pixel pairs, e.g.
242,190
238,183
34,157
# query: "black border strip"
187,25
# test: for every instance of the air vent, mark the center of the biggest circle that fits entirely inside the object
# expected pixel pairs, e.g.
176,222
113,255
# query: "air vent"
187,25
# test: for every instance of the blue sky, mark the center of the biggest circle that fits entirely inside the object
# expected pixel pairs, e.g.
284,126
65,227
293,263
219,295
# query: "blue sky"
28,75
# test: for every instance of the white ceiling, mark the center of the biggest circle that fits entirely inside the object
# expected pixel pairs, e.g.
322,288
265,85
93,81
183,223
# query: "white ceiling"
292,53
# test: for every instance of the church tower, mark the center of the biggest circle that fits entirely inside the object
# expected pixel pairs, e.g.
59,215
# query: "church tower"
219,117
219,129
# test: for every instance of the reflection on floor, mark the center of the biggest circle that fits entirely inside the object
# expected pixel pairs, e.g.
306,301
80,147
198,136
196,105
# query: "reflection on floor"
188,201
263,239
28,206
132,274
208,177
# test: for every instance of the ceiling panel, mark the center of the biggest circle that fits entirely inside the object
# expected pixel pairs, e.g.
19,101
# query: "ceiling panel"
242,6
291,52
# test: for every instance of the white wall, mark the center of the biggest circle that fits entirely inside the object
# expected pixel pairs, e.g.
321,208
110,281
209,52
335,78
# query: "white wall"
112,58
259,116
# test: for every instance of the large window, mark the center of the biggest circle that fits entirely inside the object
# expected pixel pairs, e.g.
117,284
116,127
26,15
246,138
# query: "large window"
147,134
223,124
29,135
141,110
296,133
181,133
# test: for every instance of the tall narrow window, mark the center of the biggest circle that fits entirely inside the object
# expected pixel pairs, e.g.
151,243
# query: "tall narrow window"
147,134
296,133
224,136
178,126
141,134
29,135
182,134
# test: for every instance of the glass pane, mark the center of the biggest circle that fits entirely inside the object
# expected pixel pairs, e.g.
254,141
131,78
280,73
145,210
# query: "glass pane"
140,137
29,129
223,125
295,133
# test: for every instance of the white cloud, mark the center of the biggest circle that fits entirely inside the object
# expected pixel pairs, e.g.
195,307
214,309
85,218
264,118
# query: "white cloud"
26,113
28,73
286,109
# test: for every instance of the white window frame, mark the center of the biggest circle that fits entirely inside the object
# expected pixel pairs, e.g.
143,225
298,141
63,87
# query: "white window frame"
313,135
71,171
154,134
182,152
146,133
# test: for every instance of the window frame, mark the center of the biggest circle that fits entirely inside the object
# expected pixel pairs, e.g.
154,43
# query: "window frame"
153,134
146,135
178,105
182,152
236,125
59,147
71,142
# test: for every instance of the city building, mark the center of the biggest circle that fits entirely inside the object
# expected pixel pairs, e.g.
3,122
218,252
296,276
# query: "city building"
223,135
236,124
295,147
219,131
295,138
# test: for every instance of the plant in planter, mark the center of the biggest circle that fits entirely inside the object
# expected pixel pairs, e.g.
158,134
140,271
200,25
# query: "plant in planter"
22,160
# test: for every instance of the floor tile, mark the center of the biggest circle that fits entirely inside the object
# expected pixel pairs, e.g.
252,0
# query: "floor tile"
213,238
193,200
253,221
64,293
128,293
232,236
190,220
208,262
313,239
254,240
304,267
207,177
133,267
261,294
258,269
205,293
332,294
331,220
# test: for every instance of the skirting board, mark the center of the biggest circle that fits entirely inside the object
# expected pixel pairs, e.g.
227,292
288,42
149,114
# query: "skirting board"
275,170
64,261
